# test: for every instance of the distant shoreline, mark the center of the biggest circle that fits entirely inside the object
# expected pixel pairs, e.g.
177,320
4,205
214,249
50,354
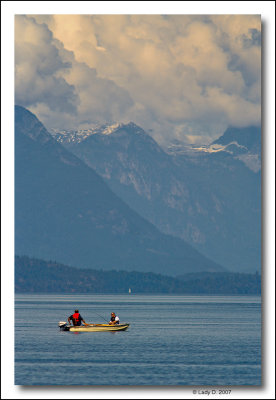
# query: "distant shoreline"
34,276
139,294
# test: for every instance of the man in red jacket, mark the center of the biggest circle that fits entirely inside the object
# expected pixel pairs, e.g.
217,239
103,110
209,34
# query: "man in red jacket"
76,319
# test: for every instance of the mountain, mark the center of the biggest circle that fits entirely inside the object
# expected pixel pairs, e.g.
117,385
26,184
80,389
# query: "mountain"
38,276
65,211
78,135
243,144
209,198
249,138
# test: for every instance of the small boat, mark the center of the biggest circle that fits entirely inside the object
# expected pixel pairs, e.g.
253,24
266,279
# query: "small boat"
93,327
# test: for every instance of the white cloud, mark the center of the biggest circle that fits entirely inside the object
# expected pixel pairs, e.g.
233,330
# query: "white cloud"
39,69
162,72
63,92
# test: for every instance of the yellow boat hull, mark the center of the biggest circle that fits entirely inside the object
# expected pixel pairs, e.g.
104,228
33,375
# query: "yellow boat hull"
98,328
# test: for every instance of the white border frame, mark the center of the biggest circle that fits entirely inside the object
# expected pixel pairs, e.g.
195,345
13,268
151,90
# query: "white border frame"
9,8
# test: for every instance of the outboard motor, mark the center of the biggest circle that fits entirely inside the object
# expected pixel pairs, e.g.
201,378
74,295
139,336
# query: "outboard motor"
63,325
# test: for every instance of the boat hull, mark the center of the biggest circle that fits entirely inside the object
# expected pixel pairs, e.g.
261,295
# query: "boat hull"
95,328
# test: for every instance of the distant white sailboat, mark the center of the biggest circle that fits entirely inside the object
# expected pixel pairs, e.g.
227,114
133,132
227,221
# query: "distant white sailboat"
129,290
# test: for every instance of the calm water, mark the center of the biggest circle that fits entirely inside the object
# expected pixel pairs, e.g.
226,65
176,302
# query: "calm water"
172,340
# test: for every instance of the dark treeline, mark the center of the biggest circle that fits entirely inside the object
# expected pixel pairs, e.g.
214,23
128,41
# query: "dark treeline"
38,276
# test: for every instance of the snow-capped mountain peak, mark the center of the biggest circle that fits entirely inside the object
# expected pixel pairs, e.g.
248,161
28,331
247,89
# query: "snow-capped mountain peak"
78,135
242,144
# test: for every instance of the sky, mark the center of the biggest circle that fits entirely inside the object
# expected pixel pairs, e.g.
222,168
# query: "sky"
185,77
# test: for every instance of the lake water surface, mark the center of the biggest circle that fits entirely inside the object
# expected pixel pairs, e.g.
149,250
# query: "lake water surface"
172,340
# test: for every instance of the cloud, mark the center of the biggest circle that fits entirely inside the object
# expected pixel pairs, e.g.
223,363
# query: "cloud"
100,99
63,92
165,73
39,69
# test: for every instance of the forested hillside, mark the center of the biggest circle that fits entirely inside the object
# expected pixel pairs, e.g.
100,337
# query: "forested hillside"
37,276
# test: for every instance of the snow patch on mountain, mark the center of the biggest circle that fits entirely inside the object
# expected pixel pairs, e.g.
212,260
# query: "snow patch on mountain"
238,151
110,128
214,148
78,135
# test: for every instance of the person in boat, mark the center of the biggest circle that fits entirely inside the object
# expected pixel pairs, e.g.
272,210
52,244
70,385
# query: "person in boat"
114,319
76,319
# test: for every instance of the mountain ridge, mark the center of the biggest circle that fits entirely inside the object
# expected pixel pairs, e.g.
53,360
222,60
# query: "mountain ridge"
205,200
65,210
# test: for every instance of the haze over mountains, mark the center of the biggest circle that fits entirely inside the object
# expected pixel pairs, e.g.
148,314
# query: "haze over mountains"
64,211
210,196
